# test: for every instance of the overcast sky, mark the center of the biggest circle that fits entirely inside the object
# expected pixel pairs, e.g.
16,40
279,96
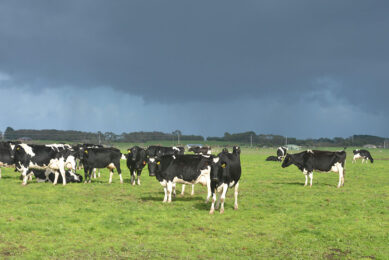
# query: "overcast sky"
296,68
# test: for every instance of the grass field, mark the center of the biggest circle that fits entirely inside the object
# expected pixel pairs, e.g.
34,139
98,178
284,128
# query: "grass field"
277,216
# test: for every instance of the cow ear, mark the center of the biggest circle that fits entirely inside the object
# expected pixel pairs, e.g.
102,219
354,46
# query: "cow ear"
128,150
159,162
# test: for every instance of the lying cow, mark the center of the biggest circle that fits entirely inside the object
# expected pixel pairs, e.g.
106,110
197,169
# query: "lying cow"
48,176
309,161
225,173
364,154
136,161
203,150
274,158
185,169
41,157
101,158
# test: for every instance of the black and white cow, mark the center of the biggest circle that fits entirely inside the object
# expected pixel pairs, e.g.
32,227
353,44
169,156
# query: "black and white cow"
281,152
80,148
364,154
185,169
101,158
7,154
136,161
155,150
42,157
225,173
274,158
203,150
324,161
48,176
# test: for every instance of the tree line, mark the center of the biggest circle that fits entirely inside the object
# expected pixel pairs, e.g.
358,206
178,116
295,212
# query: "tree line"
245,138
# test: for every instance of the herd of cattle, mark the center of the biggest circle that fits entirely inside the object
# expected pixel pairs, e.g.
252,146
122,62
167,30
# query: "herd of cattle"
57,163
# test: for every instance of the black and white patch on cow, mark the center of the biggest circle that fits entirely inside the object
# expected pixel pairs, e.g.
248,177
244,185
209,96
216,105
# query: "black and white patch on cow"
324,161
362,154
281,152
41,157
185,169
48,176
225,173
201,150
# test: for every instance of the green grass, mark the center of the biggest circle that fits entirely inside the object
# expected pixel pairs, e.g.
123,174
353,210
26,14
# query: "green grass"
277,216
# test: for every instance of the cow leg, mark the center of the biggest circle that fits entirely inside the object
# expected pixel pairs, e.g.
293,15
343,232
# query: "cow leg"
0,173
341,178
110,176
192,194
85,175
138,174
56,174
98,174
174,190
311,178
213,203
62,171
183,190
208,190
306,179
25,177
133,177
165,198
94,173
236,195
169,191
89,175
223,197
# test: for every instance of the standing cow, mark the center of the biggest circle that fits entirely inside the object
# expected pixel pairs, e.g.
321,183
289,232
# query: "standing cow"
136,161
41,157
309,161
225,173
364,154
7,154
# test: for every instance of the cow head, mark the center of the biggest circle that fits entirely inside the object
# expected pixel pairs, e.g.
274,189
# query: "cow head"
225,150
218,168
154,165
287,161
236,150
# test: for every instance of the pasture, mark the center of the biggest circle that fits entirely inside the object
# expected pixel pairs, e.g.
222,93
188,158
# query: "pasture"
277,217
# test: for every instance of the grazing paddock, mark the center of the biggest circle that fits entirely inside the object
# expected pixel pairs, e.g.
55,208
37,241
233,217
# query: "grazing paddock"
277,216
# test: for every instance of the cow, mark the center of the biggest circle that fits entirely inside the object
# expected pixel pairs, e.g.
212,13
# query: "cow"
101,158
281,152
7,154
48,176
364,154
225,173
42,157
274,158
136,161
203,150
309,161
80,148
185,169
155,150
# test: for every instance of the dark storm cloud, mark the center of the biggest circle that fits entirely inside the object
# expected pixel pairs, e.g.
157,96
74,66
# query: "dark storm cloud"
318,57
174,51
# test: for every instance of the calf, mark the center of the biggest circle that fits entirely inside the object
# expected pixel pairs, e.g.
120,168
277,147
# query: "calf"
136,161
206,150
281,152
274,158
41,157
364,154
101,158
7,154
185,169
225,173
309,161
